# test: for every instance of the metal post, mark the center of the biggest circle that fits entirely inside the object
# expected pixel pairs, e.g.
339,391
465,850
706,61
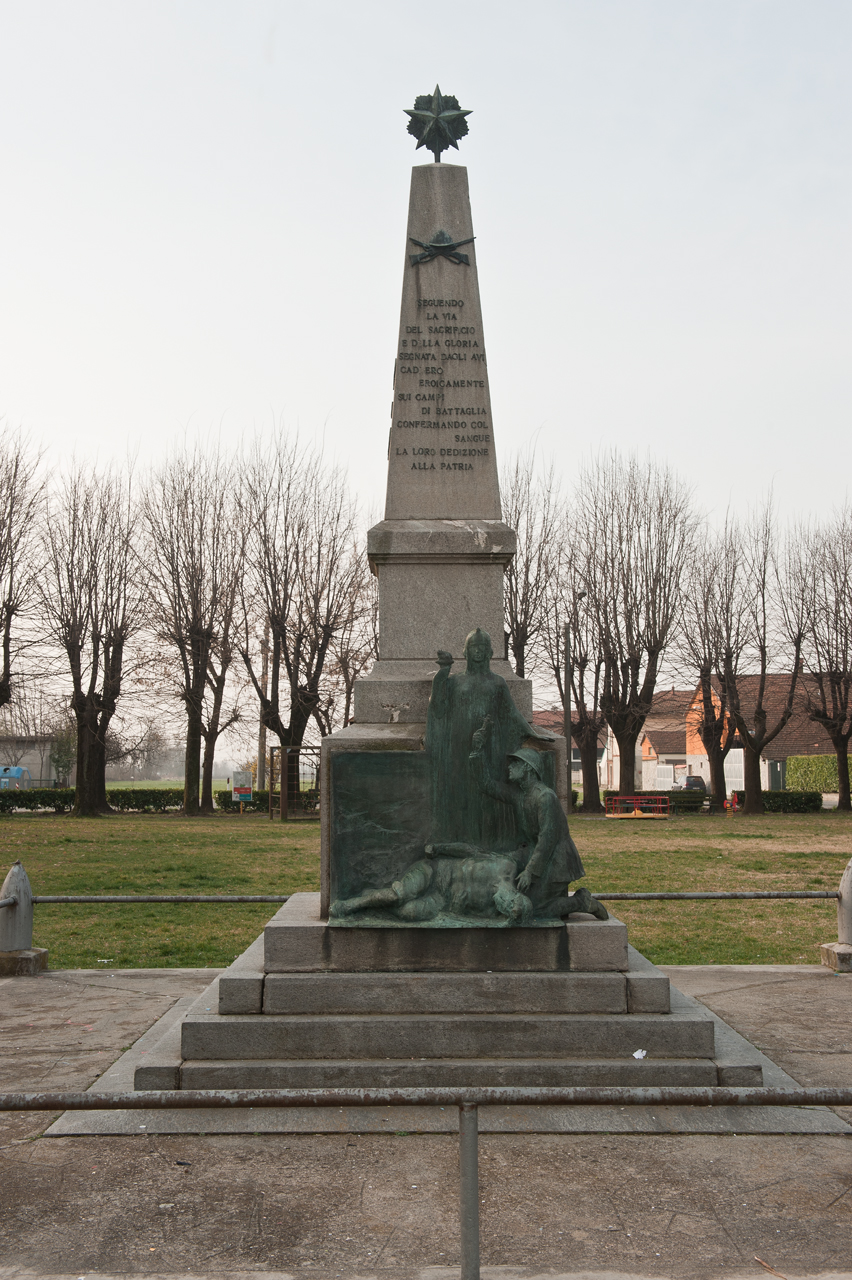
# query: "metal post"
844,907
284,783
469,1189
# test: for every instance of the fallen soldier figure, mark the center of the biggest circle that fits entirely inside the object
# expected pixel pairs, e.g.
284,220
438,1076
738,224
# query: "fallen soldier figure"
453,879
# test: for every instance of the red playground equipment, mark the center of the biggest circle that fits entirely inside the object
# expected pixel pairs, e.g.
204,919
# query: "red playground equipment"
638,807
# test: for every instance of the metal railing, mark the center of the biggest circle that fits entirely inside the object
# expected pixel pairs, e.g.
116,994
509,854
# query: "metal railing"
125,898
467,1100
701,896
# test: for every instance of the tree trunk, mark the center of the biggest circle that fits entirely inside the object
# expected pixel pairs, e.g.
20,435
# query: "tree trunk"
591,782
192,763
627,761
718,786
207,806
751,777
90,794
841,750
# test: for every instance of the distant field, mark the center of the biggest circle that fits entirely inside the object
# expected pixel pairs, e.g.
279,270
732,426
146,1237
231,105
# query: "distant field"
172,854
161,784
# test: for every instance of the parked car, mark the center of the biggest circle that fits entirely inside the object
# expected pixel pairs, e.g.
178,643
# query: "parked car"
695,783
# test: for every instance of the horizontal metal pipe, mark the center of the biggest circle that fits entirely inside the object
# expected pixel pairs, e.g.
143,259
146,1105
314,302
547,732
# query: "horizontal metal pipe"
8,902
179,1099
160,897
72,898
704,897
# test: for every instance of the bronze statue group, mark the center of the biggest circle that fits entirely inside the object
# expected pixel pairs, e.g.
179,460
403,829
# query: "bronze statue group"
499,849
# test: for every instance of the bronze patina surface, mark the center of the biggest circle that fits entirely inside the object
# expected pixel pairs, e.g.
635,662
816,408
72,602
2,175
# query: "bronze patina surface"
468,832
437,122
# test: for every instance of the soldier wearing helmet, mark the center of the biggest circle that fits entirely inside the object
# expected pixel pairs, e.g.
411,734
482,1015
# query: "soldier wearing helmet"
547,856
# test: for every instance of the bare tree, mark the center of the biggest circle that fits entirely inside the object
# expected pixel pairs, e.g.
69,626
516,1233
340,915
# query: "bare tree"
92,596
196,542
533,507
219,717
635,528
821,564
764,621
21,500
354,650
306,573
565,607
711,584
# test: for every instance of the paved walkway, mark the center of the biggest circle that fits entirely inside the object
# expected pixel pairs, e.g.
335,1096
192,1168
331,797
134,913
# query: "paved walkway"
343,1206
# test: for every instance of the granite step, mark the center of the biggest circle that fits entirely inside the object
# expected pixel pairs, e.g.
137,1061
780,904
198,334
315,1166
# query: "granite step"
330,993
442,1073
355,1036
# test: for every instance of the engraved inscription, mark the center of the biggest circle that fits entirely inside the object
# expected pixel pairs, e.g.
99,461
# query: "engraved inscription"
437,341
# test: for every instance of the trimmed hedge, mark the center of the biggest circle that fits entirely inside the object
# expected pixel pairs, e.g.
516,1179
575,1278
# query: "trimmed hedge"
137,800
788,801
259,802
60,799
681,801
812,773
145,799
224,800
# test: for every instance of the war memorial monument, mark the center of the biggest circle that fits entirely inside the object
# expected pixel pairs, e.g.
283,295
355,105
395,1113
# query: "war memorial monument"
451,943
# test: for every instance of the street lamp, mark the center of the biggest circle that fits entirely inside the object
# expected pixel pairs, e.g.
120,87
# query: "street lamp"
566,714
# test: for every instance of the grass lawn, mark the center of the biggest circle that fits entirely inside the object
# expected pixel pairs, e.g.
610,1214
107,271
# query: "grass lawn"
777,851
166,853
157,853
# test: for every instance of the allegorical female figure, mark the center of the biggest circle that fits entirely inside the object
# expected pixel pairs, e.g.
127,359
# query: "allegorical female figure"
459,704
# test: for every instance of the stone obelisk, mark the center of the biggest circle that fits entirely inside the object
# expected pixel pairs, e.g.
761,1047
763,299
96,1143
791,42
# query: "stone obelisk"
441,551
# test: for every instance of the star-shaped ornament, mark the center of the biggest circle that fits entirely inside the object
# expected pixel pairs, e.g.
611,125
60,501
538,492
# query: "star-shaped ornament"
437,122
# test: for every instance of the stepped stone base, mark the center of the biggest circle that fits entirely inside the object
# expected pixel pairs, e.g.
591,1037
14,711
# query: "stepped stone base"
381,1022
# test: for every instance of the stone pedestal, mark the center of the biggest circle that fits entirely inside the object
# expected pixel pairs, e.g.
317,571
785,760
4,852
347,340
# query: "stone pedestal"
836,956
26,962
18,957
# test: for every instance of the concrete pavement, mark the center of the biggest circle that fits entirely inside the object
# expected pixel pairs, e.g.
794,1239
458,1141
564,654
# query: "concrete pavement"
384,1205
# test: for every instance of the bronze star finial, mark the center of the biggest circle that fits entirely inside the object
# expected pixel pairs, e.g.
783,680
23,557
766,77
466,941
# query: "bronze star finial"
437,122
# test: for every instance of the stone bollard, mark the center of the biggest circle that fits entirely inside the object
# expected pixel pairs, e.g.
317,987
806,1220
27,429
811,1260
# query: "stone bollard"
838,955
18,956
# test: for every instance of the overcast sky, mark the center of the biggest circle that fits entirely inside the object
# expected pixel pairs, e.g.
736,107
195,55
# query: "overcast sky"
204,210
